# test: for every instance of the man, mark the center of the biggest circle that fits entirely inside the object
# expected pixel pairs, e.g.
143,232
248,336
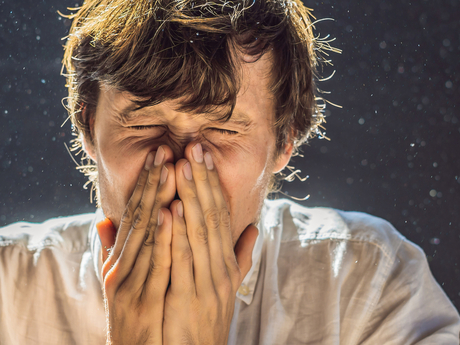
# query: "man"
188,109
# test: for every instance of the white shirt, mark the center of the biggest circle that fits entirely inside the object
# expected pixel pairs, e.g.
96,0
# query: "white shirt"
319,276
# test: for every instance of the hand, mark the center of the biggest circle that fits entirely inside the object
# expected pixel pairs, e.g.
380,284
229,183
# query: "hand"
206,269
136,274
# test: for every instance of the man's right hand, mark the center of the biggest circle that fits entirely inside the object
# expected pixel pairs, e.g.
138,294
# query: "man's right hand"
136,274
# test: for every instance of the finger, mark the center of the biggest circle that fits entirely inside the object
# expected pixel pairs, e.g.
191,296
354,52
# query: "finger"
163,198
215,218
133,203
197,232
221,204
151,271
243,250
182,279
107,233
142,215
226,247
127,219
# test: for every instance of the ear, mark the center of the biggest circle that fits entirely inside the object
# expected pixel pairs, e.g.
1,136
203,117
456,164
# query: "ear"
283,157
87,138
88,147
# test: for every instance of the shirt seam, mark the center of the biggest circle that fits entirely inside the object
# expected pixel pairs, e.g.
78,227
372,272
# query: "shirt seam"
378,295
377,244
8,243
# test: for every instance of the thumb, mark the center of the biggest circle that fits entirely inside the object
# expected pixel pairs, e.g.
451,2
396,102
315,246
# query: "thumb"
244,248
107,233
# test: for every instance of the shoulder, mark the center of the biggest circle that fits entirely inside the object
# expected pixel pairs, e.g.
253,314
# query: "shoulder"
322,224
70,234
363,264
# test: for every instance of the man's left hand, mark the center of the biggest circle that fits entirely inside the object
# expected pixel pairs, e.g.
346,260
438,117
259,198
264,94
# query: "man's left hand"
207,269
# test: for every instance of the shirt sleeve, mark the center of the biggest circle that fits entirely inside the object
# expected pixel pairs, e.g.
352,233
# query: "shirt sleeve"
412,309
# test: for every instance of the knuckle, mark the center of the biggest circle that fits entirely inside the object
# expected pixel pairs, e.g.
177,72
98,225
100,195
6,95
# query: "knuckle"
139,184
225,218
158,202
156,241
149,240
201,175
212,218
230,260
213,300
158,267
137,224
139,210
202,234
236,274
225,287
152,180
186,255
128,213
190,193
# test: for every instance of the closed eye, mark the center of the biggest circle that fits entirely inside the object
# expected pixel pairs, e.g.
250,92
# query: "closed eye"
142,127
224,131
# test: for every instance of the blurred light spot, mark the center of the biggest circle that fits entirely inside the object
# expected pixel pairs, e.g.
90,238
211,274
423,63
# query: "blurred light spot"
433,193
435,240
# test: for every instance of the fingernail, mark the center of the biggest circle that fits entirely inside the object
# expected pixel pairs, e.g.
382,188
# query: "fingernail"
187,171
180,209
160,156
197,153
208,161
161,217
149,160
164,174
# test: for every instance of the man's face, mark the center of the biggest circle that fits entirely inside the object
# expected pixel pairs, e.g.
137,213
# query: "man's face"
243,148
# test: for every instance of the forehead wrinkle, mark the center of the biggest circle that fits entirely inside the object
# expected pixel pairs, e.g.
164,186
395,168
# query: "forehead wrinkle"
126,115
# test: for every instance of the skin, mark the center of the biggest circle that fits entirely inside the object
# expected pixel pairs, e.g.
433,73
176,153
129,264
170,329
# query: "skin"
220,170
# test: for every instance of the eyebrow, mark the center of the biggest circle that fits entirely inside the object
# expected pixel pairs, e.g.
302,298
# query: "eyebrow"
237,118
130,114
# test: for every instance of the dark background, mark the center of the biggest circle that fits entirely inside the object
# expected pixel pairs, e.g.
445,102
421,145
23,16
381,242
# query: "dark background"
395,143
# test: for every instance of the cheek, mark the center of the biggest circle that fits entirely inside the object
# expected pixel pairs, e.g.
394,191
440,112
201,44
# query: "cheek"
244,177
118,169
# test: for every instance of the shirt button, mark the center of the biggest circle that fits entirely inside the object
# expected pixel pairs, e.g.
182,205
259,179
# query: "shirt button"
244,290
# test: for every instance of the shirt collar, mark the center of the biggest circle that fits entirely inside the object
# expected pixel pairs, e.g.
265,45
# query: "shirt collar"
247,287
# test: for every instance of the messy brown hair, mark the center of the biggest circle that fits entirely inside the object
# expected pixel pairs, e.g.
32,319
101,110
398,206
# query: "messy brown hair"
165,49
